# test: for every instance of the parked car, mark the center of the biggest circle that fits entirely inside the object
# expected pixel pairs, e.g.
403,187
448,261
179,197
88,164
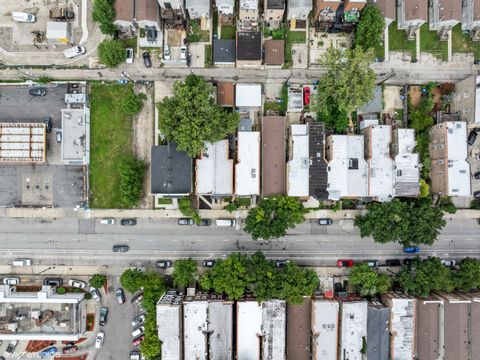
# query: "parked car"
166,53
138,340
209,263
138,331
103,316
58,136
70,349
476,194
129,55
53,281
449,262
51,351
22,262
204,222
95,294
344,263
137,298
225,222
77,283
107,221
23,17
281,263
472,137
99,340
11,281
164,264
11,347
138,320
306,95
325,221
146,59
183,52
48,124
39,91
477,175
393,262
373,263
74,51
411,249
120,296
186,221
120,248
128,222
408,261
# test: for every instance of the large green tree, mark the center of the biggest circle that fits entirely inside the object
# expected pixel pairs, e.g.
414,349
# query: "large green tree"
184,272
295,282
98,280
132,279
263,277
468,275
368,32
405,221
111,53
190,118
347,85
367,281
104,14
424,276
273,216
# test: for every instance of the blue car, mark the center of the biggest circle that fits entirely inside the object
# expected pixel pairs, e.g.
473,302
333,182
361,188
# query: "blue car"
411,249
51,351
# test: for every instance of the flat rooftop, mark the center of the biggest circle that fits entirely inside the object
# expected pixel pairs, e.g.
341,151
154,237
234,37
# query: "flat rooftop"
458,167
214,170
76,136
195,329
318,177
248,96
22,142
171,170
299,164
325,317
273,155
274,319
247,168
456,319
378,344
169,324
220,317
428,329
353,328
249,329
298,330
295,99
407,168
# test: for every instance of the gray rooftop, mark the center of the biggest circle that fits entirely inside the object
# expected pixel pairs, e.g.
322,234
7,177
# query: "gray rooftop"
275,4
169,324
274,329
374,105
171,170
378,344
224,51
318,166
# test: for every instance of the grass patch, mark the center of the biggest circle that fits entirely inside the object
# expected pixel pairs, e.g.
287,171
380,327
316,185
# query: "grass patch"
228,32
130,42
195,34
293,37
244,201
208,56
429,42
111,143
397,41
163,201
271,105
461,42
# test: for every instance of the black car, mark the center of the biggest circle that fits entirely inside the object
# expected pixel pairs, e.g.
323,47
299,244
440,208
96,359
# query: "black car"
128,222
209,263
281,263
477,175
164,264
120,248
476,194
48,124
53,281
103,316
204,222
37,92
472,137
393,262
146,59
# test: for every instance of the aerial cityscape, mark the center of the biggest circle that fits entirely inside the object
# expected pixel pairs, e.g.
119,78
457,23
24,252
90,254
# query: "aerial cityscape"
240,179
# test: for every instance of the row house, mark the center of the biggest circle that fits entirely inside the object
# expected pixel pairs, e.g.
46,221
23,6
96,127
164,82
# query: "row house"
274,12
199,10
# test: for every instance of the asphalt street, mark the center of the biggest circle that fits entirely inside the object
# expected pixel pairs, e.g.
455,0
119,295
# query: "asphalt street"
71,241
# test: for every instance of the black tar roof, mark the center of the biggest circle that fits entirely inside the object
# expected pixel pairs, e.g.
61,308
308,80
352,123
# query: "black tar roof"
224,51
249,45
318,167
171,170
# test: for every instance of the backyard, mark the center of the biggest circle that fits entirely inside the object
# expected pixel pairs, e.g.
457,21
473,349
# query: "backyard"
111,142
429,42
462,43
196,34
228,32
398,40
293,37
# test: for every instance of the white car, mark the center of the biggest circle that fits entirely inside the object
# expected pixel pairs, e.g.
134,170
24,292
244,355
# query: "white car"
95,294
107,221
74,51
449,262
183,52
99,340
166,53
129,55
140,319
138,331
77,283
23,17
11,281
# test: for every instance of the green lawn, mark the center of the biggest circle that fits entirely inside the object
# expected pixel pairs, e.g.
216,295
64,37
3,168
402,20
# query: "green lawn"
462,43
429,42
111,136
397,41
228,32
293,37
197,35
271,105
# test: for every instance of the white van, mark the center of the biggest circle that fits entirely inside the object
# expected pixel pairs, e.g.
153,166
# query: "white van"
225,222
22,262
74,51
23,17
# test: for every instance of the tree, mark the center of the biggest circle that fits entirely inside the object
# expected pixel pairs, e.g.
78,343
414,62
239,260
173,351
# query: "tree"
263,277
468,275
111,52
424,189
104,13
132,280
132,104
421,116
405,221
131,180
190,118
347,85
425,276
273,216
97,281
184,272
295,282
368,32
228,276
186,208
367,281
151,346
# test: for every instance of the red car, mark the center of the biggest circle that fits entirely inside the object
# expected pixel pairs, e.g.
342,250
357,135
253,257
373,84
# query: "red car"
138,340
70,350
345,263
306,95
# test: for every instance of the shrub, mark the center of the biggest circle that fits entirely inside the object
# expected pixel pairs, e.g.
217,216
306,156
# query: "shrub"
131,180
61,290
186,208
97,281
111,52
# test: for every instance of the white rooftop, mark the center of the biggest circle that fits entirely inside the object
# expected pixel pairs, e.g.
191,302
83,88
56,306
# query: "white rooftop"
248,96
477,99
220,317
380,165
295,99
195,327
249,328
214,171
347,170
458,167
248,4
22,142
402,327
169,325
274,321
247,169
299,165
407,172
324,329
75,136
353,329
